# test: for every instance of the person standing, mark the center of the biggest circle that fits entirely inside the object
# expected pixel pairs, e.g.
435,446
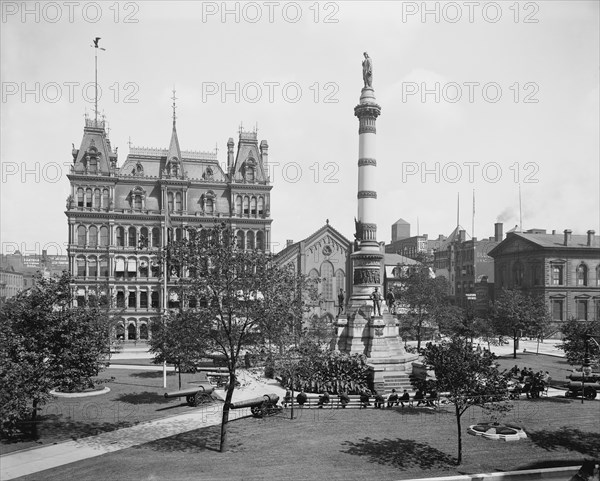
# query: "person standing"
376,297
391,300
341,301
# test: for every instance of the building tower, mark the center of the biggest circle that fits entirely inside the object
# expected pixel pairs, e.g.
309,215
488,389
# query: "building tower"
361,329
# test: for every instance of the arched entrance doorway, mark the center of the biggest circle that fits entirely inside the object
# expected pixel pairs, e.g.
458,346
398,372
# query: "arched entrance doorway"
144,331
131,332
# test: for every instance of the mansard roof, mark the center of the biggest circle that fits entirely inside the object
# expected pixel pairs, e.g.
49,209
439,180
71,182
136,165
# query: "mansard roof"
547,241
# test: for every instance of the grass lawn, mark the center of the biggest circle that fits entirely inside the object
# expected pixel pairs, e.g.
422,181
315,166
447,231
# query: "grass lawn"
134,397
351,444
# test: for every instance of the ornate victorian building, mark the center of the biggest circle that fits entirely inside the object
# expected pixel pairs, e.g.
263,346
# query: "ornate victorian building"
118,215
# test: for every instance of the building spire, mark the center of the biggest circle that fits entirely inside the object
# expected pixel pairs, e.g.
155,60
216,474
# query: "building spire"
174,107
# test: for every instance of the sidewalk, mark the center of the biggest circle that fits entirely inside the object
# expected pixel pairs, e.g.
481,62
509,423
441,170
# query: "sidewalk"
21,463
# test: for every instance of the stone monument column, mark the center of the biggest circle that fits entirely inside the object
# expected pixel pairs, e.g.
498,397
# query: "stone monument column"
363,330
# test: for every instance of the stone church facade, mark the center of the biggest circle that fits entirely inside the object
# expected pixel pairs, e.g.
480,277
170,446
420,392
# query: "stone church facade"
118,215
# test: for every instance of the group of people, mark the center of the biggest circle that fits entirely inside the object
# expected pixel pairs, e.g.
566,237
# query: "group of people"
376,297
529,382
394,399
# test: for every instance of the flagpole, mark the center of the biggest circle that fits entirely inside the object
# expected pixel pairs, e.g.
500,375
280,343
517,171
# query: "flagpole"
165,267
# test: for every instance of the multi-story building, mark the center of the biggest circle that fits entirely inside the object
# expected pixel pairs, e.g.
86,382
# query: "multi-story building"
468,267
563,268
32,265
118,217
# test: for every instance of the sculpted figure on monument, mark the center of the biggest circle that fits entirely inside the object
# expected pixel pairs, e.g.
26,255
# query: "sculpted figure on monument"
367,66
358,228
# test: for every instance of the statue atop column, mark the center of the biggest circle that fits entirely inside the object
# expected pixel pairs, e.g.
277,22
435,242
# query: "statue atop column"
367,66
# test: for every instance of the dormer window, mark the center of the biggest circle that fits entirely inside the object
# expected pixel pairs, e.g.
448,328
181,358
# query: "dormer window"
137,202
250,174
93,167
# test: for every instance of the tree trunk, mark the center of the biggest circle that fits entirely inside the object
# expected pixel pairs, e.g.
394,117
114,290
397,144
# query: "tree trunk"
515,345
459,459
225,418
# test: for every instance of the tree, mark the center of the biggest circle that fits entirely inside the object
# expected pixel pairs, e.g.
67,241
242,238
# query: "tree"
471,379
47,344
424,297
242,297
574,339
516,313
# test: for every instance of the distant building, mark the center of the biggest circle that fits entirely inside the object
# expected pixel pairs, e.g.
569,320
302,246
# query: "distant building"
411,246
11,283
325,254
468,268
563,268
32,265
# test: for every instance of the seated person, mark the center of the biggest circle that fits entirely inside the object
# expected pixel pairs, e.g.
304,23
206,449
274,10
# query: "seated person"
405,398
324,399
433,395
344,398
420,397
301,398
364,398
379,400
287,399
393,399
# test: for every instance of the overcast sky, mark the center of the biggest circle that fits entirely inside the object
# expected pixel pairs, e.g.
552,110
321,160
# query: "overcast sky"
475,96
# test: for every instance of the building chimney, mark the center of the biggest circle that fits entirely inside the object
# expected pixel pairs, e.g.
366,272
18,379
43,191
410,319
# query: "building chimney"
590,238
498,227
568,233
553,231
230,154
461,235
289,242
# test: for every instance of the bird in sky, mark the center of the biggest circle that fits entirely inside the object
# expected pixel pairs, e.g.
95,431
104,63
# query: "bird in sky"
96,40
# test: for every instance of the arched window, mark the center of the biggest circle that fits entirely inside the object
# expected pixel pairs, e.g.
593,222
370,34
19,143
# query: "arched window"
209,206
120,267
93,165
261,206
80,197
120,237
582,275
104,267
154,267
340,280
170,201
178,234
240,239
103,236
144,327
132,267
246,205
155,237
178,207
327,276
81,266
105,201
132,301
92,267
238,205
132,237
120,299
97,198
260,241
250,174
253,206
250,240
154,300
144,299
137,202
144,240
93,236
174,169
144,267
88,198
81,236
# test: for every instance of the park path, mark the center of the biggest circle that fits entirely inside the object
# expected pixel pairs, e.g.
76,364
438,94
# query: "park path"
29,461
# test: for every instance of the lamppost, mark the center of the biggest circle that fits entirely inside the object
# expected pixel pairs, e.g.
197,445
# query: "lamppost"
586,367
